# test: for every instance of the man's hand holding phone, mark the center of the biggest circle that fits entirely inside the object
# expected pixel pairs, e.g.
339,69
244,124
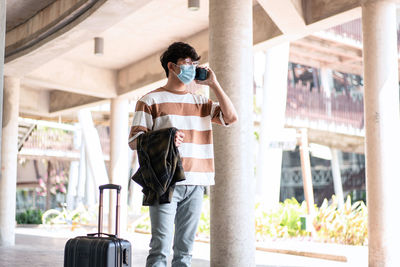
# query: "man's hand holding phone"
210,80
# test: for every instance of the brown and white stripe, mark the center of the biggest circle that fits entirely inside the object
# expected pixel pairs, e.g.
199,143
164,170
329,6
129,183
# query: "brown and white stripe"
190,113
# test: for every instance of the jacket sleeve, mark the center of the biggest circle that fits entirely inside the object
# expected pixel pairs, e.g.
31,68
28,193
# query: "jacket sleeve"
142,121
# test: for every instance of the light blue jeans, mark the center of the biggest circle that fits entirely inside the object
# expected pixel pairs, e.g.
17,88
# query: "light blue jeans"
184,210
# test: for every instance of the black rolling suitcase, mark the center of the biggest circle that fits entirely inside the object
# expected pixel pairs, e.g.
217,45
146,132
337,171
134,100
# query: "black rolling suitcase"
99,249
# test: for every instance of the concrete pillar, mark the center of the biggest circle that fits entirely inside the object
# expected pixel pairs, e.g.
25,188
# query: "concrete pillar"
135,201
337,177
306,171
90,185
327,85
2,50
232,197
94,153
93,167
327,81
48,184
269,163
73,179
382,130
8,179
80,197
119,159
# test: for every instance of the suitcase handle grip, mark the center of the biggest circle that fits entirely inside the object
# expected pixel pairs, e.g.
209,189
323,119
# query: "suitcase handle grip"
100,226
99,234
110,186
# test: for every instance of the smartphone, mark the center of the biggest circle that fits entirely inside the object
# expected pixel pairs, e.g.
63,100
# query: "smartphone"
201,74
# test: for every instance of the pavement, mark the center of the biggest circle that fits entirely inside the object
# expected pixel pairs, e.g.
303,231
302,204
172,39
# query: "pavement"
44,247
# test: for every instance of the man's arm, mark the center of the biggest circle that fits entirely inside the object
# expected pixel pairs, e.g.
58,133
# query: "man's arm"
228,110
142,122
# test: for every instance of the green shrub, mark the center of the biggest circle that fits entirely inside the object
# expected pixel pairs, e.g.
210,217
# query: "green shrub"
144,222
79,216
284,221
29,216
204,223
345,225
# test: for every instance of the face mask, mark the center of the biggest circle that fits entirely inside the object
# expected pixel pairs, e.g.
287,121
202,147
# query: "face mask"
187,73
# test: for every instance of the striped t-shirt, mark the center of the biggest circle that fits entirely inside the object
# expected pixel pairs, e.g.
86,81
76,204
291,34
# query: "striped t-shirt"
189,113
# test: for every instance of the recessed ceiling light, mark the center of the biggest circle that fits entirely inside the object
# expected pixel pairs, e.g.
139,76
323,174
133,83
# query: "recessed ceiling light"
194,5
98,46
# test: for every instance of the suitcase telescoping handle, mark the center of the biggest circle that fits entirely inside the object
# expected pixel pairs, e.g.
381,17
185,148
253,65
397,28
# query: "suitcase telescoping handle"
115,187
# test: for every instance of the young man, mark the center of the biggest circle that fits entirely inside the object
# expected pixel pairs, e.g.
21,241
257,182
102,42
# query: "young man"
173,106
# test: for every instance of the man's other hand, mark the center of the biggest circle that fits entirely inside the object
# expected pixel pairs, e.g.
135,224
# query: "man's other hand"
179,138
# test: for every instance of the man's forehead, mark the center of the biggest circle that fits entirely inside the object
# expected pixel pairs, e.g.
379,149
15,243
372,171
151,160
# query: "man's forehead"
188,59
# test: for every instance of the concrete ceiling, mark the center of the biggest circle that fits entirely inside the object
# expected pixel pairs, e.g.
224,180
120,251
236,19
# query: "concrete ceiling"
139,35
19,11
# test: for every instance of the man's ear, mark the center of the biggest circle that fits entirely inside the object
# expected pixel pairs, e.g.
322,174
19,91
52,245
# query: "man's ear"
170,67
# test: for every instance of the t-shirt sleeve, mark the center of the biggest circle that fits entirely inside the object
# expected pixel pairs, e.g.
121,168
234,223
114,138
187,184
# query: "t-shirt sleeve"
142,121
216,113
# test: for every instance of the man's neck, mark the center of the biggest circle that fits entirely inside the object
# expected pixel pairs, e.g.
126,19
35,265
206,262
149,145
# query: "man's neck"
173,85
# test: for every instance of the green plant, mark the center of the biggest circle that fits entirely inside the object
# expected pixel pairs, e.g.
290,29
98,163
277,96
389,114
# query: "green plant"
143,223
80,215
29,216
346,224
283,221
204,223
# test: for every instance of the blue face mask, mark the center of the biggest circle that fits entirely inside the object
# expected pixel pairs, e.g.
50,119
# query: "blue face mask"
187,74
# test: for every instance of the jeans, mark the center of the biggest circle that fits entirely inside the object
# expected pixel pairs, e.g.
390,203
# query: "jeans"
184,210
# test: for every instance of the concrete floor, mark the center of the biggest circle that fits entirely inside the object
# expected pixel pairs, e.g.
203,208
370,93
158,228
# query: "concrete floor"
44,248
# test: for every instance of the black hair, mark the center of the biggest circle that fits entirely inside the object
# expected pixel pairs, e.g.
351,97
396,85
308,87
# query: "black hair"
177,51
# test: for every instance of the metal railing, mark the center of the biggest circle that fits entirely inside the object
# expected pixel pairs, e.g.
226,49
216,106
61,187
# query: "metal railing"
353,176
312,105
46,138
353,180
352,30
51,139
